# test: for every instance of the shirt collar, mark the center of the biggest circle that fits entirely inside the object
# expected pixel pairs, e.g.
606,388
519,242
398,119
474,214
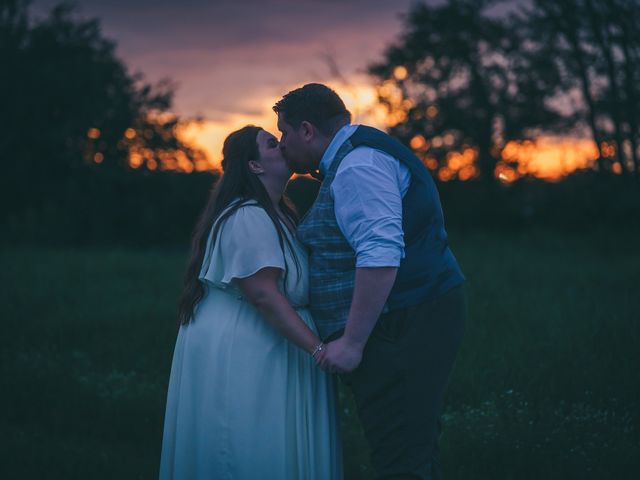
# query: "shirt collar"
338,139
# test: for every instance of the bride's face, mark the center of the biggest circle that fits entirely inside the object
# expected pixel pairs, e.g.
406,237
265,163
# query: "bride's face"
271,159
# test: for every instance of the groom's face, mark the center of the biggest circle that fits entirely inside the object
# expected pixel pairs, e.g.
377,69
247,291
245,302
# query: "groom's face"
295,145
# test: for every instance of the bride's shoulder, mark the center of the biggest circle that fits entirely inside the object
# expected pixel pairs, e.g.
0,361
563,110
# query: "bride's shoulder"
247,214
249,208
240,206
248,226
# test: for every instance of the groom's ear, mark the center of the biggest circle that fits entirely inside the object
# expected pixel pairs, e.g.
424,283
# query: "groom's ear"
307,130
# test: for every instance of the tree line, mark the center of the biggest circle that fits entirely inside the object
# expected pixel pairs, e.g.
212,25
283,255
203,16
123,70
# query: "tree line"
90,151
480,76
83,140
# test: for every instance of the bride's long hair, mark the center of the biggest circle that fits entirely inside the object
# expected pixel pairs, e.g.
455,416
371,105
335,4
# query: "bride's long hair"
236,183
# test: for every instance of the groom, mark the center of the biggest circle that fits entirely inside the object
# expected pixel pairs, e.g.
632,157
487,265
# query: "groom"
385,289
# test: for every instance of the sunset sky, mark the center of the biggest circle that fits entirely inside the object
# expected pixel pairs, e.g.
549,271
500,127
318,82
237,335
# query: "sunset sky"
232,59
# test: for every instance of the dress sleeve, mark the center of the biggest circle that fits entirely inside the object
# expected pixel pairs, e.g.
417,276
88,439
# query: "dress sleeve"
246,242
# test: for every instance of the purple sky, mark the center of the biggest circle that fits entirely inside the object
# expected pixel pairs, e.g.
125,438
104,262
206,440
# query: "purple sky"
232,59
226,55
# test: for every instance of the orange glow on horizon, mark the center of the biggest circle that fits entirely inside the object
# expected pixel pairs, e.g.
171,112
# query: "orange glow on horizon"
209,135
548,158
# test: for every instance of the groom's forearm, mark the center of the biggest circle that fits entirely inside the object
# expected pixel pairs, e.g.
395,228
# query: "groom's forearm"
371,290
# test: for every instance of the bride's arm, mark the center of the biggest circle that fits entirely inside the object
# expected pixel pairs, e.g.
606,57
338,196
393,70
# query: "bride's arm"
261,289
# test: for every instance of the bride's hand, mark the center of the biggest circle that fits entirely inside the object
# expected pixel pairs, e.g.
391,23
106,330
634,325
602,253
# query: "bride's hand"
319,357
340,356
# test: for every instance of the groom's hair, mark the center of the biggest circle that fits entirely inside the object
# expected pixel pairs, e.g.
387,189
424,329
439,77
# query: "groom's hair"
315,103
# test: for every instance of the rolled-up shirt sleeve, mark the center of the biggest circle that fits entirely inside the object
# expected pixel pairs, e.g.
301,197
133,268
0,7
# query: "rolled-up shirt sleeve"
368,206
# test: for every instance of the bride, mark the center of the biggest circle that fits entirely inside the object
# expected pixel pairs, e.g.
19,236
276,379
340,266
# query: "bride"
245,397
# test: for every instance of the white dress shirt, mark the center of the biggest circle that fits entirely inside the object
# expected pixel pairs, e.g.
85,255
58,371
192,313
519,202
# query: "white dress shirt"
367,192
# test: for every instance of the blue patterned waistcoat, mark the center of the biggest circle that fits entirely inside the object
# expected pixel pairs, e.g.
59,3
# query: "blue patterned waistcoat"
428,269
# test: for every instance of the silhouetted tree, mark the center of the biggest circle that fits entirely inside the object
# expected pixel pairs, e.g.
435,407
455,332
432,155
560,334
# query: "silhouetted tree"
459,74
74,126
624,16
595,44
479,80
68,102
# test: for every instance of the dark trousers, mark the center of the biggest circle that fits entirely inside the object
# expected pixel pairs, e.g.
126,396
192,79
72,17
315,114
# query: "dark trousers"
400,385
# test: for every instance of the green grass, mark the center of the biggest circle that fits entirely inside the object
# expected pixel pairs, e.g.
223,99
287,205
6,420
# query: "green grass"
546,384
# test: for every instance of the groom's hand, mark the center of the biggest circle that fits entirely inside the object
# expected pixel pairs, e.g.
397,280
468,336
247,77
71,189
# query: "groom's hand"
340,356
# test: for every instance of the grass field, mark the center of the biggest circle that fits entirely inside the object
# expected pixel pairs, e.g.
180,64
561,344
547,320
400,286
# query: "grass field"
546,385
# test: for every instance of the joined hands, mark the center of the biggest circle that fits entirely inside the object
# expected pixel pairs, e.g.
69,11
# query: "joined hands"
339,356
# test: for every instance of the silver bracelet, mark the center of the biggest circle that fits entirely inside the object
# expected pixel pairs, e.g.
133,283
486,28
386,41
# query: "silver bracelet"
319,348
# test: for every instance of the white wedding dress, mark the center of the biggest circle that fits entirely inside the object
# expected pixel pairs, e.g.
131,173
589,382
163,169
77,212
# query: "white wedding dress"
243,402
